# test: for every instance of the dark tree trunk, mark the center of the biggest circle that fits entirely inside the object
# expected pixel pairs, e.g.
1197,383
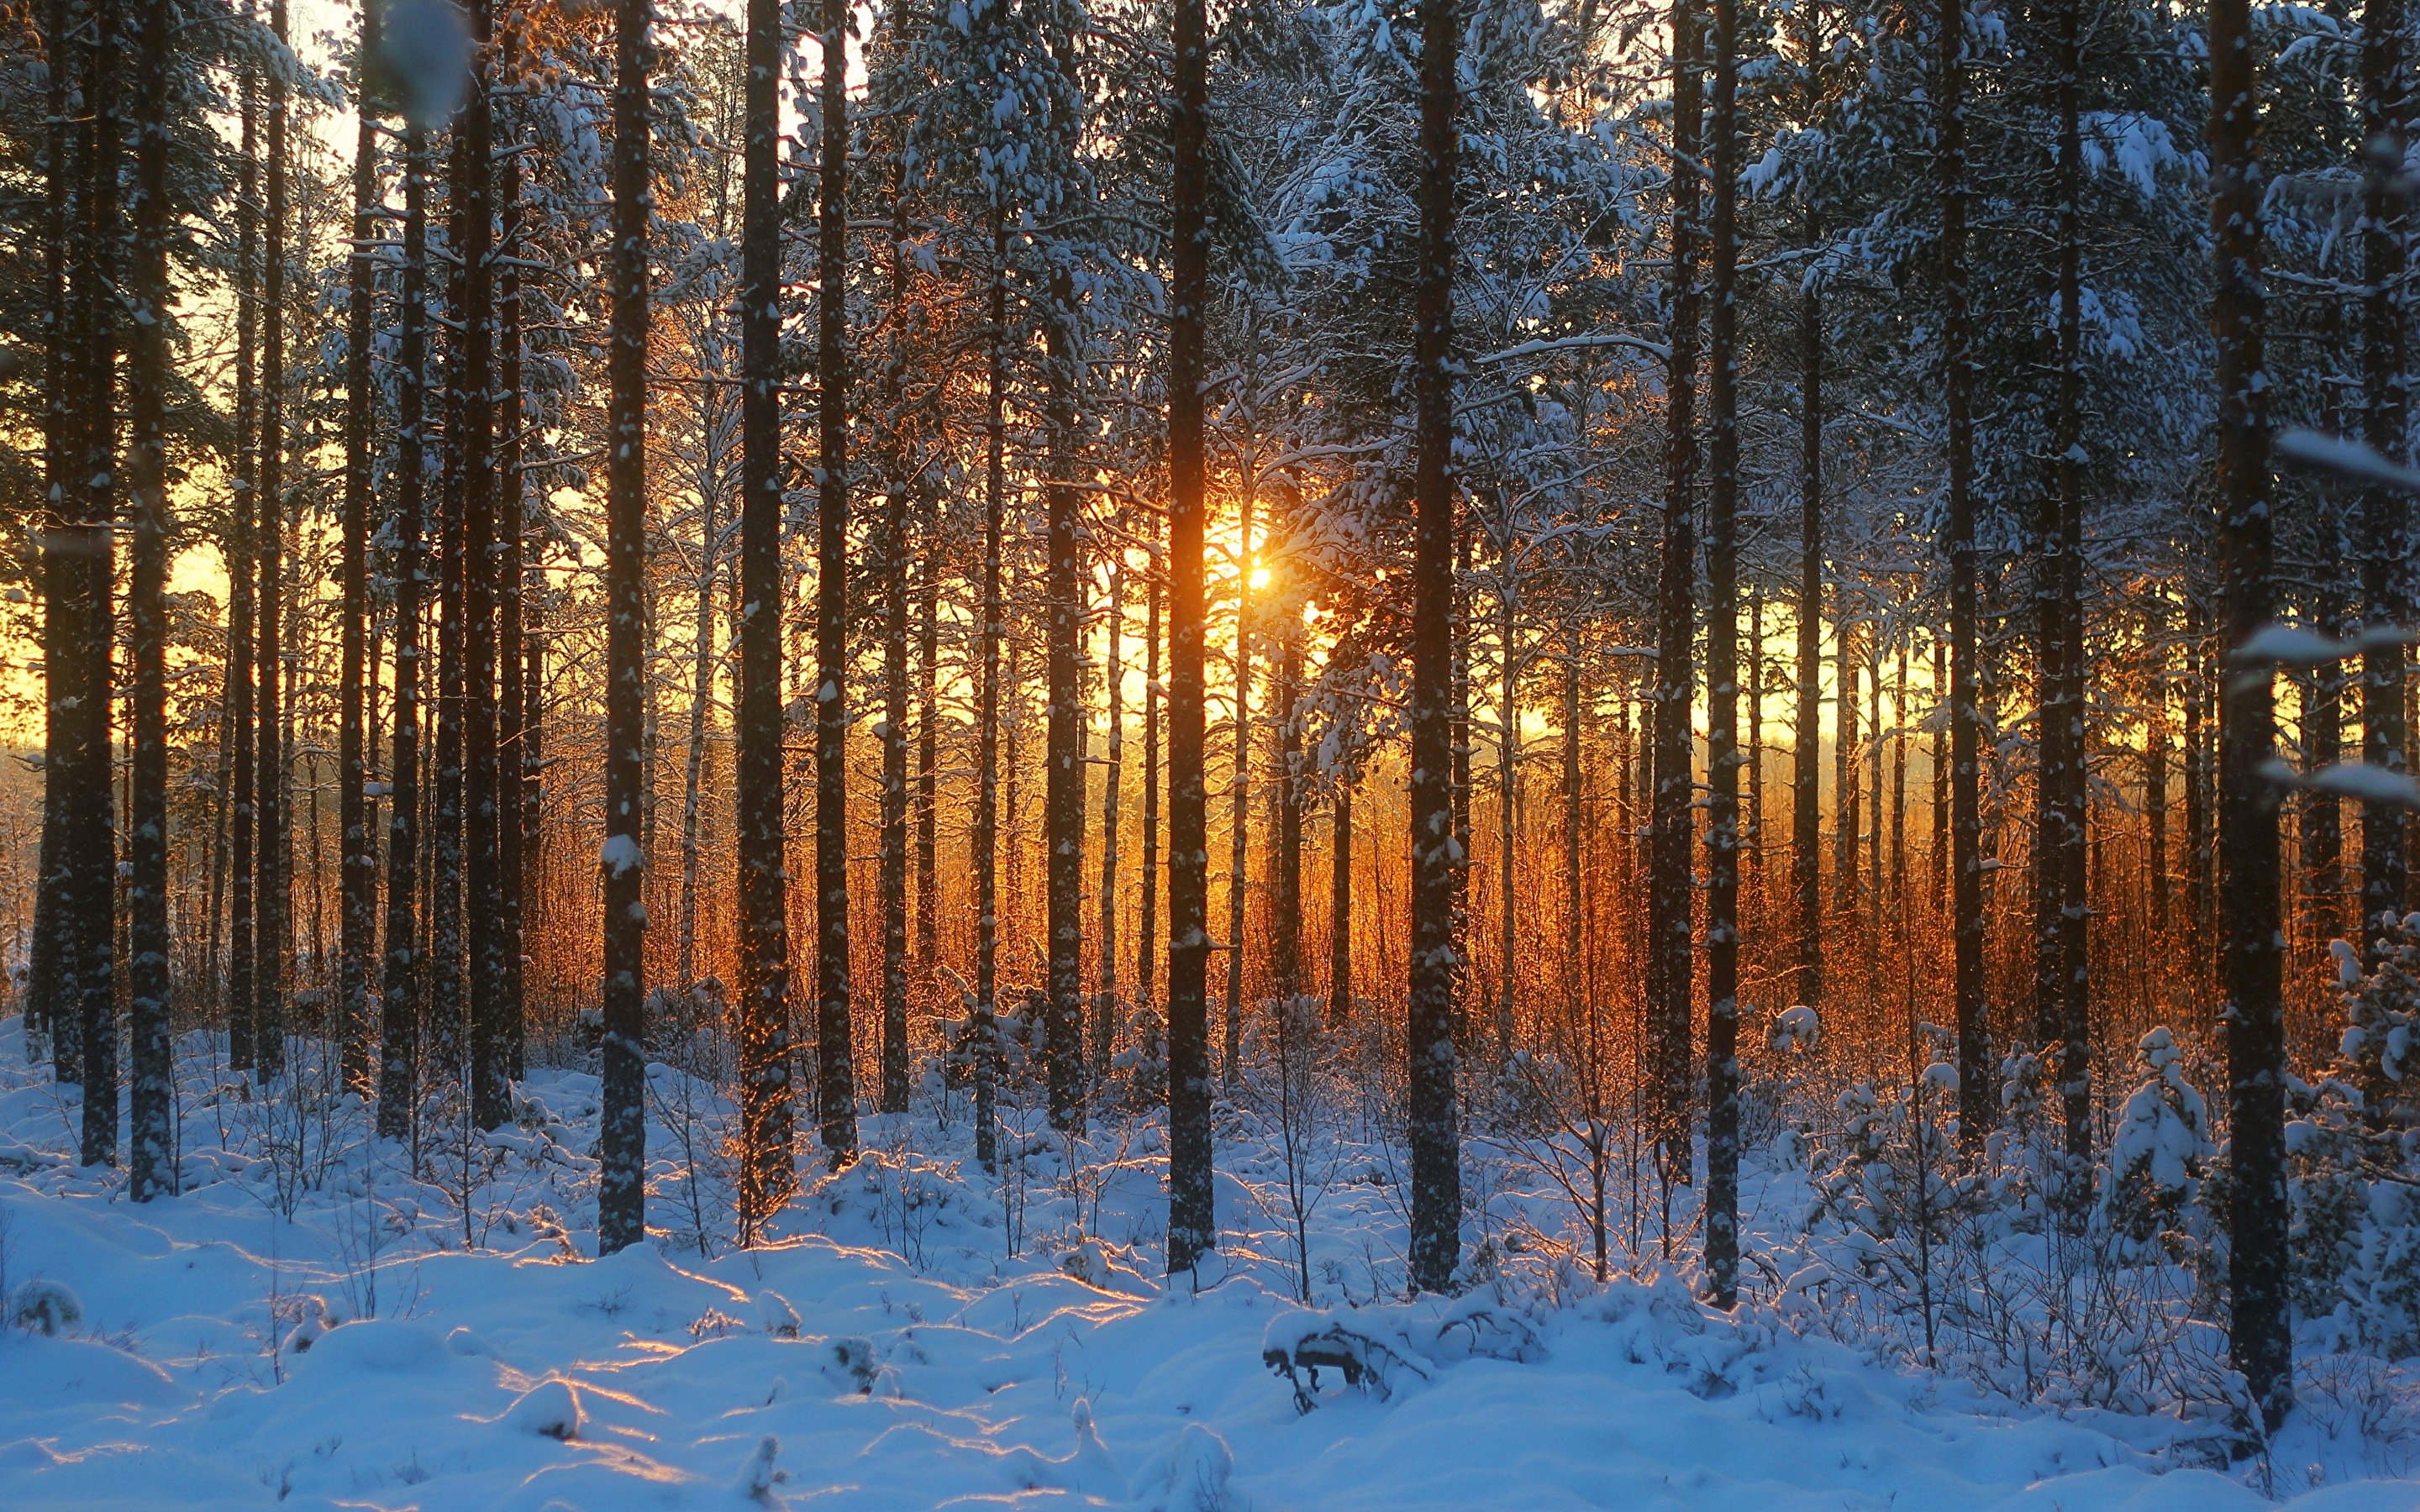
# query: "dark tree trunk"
1105,1001
1285,851
1574,919
2260,1336
622,1187
768,1165
1339,903
928,741
1239,792
1063,798
482,785
358,881
1669,903
835,1058
1807,730
2386,545
91,832
273,887
2061,908
50,970
1147,921
1848,780
512,691
399,1001
153,1166
893,730
2155,783
1722,680
1508,799
1192,1224
986,1008
1433,1120
243,829
2322,815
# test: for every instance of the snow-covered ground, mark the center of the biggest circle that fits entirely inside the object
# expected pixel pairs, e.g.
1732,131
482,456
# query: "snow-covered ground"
886,1350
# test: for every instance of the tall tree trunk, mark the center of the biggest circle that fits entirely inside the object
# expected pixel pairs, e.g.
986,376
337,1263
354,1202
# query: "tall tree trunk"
835,1058
512,689
622,1187
274,889
91,833
399,1001
1147,920
1508,799
2322,815
892,883
1192,1223
1575,918
2061,907
985,1008
2260,1337
1752,823
1432,1119
153,1165
702,659
928,740
1285,848
360,859
1848,779
1807,730
238,547
442,967
1722,680
2155,779
1340,902
768,1169
482,805
1669,905
2386,544
1062,799
1239,792
51,971
1105,1002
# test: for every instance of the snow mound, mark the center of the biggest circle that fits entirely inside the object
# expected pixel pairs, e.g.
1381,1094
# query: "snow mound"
551,1408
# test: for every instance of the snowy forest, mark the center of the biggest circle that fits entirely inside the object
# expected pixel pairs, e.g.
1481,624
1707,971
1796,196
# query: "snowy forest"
1380,753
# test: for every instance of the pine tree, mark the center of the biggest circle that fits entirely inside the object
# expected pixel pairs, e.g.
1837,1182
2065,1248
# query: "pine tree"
153,1166
1432,1116
1193,1222
834,1056
766,1172
622,1189
2261,1338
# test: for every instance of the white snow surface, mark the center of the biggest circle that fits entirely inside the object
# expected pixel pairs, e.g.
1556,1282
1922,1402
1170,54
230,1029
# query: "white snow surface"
232,1357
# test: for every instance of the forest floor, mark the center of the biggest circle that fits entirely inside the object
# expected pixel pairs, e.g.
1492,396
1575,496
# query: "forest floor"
304,1326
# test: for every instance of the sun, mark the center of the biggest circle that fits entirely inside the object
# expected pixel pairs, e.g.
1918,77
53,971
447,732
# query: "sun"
1260,579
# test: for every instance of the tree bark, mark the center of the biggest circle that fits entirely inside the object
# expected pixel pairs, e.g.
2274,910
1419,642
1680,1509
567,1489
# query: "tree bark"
2260,1337
398,1001
153,1166
513,817
1806,735
1063,798
2061,910
1105,1001
1192,1224
1722,680
2385,513
892,883
767,1171
1433,1121
91,834
51,967
1340,902
359,862
835,1068
1669,902
985,1008
274,889
622,1187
